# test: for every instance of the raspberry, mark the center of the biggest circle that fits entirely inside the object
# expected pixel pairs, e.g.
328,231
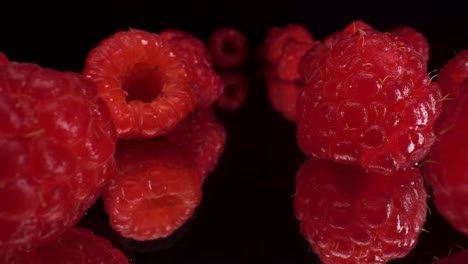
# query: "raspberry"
278,37
203,139
228,47
288,64
75,246
367,100
3,59
453,73
282,96
349,215
58,143
416,38
236,89
444,168
460,257
146,87
156,191
208,85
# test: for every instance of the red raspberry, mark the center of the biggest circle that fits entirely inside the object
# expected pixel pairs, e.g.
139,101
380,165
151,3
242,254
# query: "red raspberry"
208,85
146,87
349,215
453,73
156,191
278,37
202,137
236,89
58,144
75,246
3,59
228,47
282,96
367,100
416,38
460,257
288,64
445,167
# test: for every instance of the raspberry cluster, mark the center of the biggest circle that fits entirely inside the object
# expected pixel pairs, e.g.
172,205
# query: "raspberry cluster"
136,128
364,107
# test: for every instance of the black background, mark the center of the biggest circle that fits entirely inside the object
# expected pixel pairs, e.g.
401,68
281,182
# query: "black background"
246,214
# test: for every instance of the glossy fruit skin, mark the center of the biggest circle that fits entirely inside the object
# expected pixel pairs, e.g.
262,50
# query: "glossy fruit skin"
58,145
367,100
445,168
76,246
349,215
147,87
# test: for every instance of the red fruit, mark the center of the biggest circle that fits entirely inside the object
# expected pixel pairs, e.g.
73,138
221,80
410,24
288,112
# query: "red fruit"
283,96
156,191
147,88
349,215
58,144
288,64
76,246
367,100
460,257
208,85
3,59
228,47
416,38
453,73
236,90
278,37
445,167
202,137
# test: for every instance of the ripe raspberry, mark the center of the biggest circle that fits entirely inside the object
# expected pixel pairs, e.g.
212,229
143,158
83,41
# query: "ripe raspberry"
236,90
75,246
282,96
156,191
58,143
453,73
349,215
228,47
445,166
416,38
202,137
146,87
3,59
288,64
208,85
278,37
367,100
460,257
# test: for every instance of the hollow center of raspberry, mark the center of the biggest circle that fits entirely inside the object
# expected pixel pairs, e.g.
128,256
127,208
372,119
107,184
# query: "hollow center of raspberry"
143,82
229,47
